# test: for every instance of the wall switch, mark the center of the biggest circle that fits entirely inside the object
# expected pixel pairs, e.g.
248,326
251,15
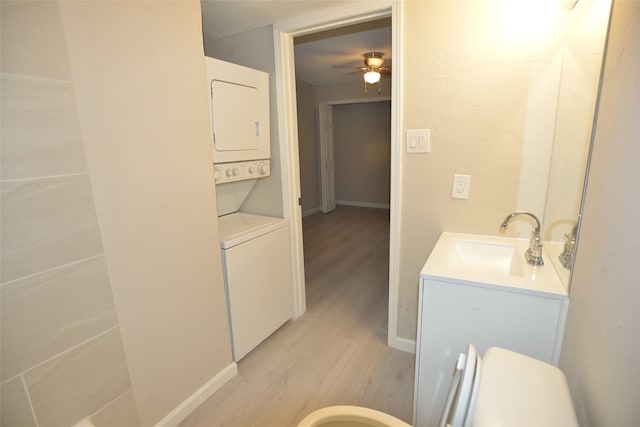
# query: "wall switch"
460,188
418,141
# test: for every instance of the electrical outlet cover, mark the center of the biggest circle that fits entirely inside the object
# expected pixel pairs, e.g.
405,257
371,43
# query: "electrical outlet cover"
460,189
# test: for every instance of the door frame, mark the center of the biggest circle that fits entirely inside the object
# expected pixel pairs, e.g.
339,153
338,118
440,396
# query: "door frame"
284,32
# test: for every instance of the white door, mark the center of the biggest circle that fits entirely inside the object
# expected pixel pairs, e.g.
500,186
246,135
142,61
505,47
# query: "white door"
259,297
327,171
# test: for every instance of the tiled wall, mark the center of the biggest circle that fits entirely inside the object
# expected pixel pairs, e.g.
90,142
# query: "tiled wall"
62,354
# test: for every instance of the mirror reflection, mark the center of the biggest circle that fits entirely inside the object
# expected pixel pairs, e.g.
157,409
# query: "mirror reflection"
582,54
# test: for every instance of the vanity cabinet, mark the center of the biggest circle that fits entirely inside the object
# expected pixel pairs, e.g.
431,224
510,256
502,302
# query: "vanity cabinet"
456,311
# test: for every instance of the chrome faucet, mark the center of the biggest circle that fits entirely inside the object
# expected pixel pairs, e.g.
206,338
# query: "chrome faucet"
533,255
566,257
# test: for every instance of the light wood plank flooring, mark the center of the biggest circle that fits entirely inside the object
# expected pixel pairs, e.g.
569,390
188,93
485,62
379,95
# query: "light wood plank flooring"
336,353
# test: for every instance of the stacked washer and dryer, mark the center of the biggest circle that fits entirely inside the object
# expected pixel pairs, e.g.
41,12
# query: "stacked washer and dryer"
255,248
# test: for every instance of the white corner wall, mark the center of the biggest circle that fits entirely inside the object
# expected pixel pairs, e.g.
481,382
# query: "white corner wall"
601,352
139,79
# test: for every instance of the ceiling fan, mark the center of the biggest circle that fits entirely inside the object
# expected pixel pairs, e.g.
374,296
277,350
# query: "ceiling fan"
373,70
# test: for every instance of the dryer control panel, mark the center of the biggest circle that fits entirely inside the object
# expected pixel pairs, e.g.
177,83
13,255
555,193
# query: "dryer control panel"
239,171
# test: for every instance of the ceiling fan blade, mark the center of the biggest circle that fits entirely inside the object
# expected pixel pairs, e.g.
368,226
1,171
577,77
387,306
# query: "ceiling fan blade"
349,67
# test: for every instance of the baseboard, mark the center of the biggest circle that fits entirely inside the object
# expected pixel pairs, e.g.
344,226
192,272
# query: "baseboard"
311,211
363,204
403,344
196,399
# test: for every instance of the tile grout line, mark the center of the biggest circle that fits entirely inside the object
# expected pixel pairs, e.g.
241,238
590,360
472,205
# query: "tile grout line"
33,410
26,76
120,396
51,270
37,178
37,365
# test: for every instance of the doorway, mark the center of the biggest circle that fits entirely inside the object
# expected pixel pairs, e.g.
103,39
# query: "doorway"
346,247
363,164
287,116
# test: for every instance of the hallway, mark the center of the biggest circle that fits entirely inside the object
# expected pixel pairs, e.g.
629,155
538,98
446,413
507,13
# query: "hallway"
336,353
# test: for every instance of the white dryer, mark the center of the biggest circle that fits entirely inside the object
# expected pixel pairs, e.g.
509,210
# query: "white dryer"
239,108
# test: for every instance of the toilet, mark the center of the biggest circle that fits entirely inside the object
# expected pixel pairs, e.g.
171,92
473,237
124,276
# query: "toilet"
503,389
517,390
350,416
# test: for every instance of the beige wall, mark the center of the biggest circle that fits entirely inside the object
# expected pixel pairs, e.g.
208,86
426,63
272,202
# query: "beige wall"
362,153
484,81
255,49
62,353
307,147
139,77
601,349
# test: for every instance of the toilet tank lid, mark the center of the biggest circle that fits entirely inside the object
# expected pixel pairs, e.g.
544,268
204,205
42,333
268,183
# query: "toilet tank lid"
517,390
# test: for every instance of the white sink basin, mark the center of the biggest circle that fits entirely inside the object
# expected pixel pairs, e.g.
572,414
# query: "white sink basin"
490,257
492,261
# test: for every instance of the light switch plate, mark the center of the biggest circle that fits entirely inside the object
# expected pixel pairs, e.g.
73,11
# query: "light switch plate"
418,140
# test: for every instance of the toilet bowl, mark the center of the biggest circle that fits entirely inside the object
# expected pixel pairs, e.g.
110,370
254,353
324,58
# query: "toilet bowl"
350,416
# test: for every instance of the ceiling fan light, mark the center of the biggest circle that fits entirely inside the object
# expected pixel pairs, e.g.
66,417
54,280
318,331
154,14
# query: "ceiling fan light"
373,59
372,77
375,62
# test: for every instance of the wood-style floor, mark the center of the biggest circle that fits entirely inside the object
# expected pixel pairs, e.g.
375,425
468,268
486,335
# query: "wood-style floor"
336,353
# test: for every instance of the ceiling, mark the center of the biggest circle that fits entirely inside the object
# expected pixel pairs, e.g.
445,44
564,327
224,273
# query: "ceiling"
315,54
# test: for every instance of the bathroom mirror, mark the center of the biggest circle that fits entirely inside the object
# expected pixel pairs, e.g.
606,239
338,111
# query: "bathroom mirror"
582,56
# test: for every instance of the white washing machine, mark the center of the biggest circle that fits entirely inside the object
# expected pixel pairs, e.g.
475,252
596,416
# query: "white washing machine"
255,255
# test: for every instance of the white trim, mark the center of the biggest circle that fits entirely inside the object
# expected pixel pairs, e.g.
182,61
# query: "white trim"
396,178
310,211
287,126
183,410
290,163
405,344
363,204
352,13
